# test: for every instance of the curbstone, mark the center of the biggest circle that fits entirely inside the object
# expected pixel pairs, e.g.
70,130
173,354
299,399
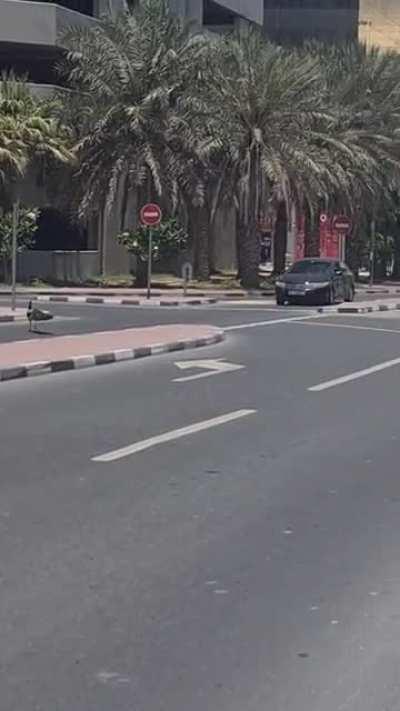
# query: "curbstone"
12,319
363,308
106,358
122,301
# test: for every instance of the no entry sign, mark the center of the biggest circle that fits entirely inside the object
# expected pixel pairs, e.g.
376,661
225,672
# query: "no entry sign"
342,224
150,214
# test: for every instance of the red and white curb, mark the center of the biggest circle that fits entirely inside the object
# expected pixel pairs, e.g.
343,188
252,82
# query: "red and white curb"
79,362
126,301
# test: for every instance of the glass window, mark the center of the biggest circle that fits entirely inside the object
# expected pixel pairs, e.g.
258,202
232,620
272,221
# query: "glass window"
311,266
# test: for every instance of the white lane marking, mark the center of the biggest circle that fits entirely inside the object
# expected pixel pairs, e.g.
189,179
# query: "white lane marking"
354,376
22,321
172,435
214,367
273,322
357,328
264,309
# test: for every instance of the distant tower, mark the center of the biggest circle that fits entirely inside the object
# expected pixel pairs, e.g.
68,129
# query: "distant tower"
380,23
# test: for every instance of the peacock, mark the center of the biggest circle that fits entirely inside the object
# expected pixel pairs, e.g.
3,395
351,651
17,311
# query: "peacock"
34,314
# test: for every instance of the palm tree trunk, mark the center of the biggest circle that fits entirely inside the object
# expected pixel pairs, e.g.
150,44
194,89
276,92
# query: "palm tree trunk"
211,250
200,227
238,249
249,255
280,239
249,246
311,246
396,260
6,270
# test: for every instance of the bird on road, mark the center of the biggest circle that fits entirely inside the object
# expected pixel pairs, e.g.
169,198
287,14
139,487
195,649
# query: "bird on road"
34,314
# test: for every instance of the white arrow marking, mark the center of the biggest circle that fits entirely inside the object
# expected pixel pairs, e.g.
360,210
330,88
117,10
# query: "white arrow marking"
214,367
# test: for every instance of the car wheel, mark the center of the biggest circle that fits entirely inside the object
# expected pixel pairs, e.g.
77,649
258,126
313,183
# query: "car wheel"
330,296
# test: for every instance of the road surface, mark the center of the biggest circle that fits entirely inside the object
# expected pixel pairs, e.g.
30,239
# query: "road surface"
249,564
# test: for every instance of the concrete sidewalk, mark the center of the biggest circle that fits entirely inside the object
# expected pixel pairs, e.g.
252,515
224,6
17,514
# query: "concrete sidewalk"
120,292
20,359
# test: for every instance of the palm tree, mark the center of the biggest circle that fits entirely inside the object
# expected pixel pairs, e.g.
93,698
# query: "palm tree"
31,142
268,101
144,60
31,138
315,137
362,88
197,165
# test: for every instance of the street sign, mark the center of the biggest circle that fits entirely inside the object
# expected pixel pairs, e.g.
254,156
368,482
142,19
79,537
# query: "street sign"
150,214
342,224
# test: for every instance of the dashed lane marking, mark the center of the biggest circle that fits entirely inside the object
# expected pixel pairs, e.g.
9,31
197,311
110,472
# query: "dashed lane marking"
172,435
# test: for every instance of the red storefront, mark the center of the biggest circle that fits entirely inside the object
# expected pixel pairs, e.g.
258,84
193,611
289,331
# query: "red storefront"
331,239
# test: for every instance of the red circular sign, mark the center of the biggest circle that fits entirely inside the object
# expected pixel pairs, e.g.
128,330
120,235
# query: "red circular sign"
150,214
342,223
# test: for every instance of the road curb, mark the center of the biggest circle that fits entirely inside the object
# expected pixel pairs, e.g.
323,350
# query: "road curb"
361,309
88,361
127,301
11,319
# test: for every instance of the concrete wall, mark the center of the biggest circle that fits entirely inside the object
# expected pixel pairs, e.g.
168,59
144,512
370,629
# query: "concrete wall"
191,9
114,258
380,23
224,234
58,266
107,7
38,23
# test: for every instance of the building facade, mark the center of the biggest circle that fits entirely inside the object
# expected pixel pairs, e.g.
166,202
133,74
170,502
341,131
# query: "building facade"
294,21
380,23
31,31
219,13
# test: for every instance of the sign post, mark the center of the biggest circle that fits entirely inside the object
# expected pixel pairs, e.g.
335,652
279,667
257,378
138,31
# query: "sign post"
342,226
14,256
150,216
187,275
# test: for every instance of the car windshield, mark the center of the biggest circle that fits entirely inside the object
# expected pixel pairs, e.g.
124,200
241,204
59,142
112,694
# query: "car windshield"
311,267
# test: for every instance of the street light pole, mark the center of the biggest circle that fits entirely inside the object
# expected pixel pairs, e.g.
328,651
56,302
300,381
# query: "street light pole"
14,256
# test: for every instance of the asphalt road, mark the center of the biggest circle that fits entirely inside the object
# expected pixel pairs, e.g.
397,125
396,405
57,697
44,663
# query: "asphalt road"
251,566
70,318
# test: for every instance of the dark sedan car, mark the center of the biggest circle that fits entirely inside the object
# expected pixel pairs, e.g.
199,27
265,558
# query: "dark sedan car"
322,281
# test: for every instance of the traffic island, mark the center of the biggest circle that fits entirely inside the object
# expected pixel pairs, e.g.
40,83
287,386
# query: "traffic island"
24,359
126,300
